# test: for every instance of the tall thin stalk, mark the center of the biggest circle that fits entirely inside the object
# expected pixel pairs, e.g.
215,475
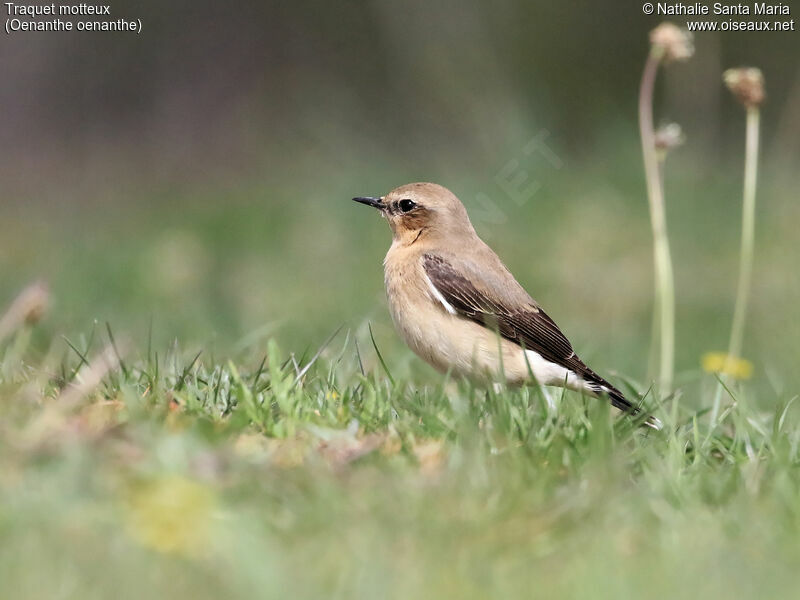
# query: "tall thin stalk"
747,85
664,279
667,43
748,231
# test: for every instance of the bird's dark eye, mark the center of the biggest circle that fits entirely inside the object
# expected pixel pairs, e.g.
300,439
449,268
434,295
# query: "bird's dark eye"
407,205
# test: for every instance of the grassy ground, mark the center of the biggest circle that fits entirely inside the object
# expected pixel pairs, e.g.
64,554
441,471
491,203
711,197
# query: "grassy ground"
182,477
233,452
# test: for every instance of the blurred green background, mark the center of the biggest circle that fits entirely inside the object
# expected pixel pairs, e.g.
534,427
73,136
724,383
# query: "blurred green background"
195,181
198,176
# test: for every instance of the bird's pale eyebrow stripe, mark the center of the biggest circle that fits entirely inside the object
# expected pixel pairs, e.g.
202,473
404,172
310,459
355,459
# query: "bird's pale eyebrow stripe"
438,295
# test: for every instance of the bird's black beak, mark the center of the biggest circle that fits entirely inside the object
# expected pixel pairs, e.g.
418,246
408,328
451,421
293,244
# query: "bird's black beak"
369,201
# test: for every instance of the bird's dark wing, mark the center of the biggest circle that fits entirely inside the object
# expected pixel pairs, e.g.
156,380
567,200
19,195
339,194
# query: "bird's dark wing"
502,305
522,322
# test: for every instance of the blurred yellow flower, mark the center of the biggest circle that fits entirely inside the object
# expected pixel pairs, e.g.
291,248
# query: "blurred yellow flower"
171,515
720,362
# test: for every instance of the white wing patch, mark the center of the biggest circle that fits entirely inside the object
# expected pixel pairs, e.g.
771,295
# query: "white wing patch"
438,295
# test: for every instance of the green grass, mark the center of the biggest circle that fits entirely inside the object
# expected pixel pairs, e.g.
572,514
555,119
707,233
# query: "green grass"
187,476
203,466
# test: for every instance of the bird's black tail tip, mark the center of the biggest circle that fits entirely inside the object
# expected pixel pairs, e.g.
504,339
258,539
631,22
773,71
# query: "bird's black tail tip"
618,400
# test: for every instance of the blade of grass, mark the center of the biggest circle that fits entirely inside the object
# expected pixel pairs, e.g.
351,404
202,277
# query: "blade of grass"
319,352
182,378
116,350
380,356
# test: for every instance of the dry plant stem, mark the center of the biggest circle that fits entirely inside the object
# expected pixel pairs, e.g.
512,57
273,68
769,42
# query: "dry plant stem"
655,327
88,378
664,282
27,307
748,232
747,249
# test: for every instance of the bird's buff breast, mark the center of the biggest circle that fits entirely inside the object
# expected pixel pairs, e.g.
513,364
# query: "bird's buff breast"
445,341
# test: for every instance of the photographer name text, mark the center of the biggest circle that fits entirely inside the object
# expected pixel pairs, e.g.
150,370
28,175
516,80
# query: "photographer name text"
718,8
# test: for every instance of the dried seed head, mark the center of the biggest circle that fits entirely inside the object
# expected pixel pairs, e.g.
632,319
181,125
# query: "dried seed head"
747,84
28,308
672,42
667,137
34,301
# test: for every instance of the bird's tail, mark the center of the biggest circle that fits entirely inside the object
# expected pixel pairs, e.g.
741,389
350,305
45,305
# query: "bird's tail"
618,400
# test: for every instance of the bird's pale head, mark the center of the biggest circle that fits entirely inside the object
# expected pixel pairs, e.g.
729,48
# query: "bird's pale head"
422,210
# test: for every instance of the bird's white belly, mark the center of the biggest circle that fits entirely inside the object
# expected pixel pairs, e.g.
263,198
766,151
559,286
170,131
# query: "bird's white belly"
453,343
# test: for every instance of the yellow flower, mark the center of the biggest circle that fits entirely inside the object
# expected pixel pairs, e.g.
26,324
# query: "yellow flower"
720,362
171,515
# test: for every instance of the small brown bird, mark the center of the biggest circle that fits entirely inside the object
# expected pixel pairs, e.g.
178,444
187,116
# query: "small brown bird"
459,308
